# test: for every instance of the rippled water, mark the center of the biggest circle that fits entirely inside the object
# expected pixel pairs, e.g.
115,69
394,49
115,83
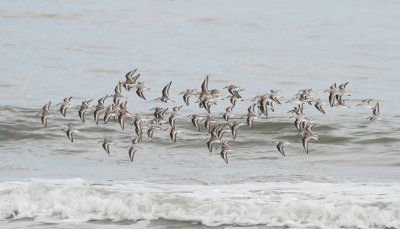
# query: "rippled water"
52,50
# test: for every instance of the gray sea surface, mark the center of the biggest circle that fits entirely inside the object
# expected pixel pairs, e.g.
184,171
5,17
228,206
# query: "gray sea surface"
55,49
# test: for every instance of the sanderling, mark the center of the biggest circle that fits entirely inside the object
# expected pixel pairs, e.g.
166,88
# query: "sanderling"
228,113
207,123
99,108
235,126
341,92
341,102
173,133
106,144
165,94
306,138
274,96
159,113
365,103
225,148
195,118
111,111
210,141
318,104
375,113
174,115
264,103
298,121
204,87
123,112
70,130
280,146
140,87
222,130
133,148
83,108
233,99
332,94
152,128
234,90
129,80
117,94
186,95
64,105
139,123
251,115
45,114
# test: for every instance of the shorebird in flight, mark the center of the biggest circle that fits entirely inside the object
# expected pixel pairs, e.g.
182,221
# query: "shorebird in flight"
165,94
70,130
106,142
280,146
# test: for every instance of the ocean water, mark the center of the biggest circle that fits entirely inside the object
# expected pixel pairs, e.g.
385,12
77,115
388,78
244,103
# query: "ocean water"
56,49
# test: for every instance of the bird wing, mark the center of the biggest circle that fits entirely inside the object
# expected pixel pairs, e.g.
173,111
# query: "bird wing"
134,79
319,107
44,120
70,136
63,110
128,75
132,151
121,120
165,91
224,155
186,99
82,114
305,142
117,89
331,98
376,109
280,149
139,92
101,100
250,122
204,86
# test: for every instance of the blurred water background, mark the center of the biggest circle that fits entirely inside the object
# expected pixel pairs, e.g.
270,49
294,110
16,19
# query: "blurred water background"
56,49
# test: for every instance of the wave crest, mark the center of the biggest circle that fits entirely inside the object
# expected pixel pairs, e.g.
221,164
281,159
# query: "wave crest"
265,204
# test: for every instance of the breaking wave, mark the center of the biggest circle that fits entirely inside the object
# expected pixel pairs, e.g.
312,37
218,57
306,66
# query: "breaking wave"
282,204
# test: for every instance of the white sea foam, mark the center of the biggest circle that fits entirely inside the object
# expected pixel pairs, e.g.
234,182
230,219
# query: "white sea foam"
306,204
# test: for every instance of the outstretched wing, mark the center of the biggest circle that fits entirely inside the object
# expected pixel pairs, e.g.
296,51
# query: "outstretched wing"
165,91
128,75
224,155
140,94
204,86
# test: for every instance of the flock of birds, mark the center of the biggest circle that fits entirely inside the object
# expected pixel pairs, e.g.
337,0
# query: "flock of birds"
206,99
